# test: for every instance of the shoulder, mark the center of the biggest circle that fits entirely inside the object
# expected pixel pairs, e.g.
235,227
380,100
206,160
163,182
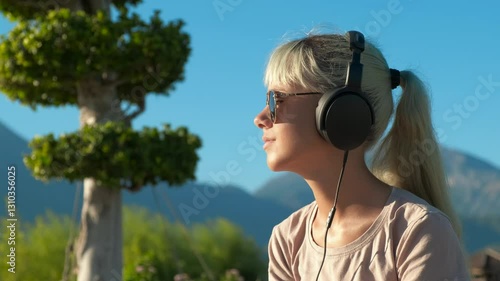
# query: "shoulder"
411,217
424,237
408,209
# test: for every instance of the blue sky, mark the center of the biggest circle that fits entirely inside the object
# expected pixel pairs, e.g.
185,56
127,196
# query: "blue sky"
454,48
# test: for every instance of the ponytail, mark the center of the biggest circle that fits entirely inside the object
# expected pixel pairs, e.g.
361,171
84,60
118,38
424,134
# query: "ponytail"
409,156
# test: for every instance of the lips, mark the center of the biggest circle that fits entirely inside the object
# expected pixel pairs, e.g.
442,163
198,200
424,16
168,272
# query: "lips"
267,141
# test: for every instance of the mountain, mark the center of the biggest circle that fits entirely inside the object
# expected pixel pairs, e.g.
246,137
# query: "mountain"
287,189
475,184
195,203
255,213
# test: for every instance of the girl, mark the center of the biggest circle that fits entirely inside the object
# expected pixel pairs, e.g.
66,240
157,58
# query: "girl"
391,222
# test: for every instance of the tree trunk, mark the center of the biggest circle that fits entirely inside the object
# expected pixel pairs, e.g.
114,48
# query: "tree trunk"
99,245
100,242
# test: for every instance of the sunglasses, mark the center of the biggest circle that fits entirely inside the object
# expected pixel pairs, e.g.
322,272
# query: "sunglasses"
273,97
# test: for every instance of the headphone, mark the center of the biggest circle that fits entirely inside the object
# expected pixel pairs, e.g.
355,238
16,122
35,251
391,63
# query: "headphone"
344,117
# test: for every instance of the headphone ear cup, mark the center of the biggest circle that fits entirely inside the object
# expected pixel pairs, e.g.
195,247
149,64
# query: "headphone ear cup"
321,109
344,119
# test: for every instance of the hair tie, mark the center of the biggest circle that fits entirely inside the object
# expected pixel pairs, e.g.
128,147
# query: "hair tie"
395,78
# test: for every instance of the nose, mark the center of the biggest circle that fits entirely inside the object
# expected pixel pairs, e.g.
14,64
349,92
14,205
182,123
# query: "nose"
262,119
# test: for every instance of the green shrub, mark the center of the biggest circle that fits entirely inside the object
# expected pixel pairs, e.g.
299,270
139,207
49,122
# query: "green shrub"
154,249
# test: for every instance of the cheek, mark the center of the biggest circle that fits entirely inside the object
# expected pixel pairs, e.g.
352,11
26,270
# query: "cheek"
306,129
294,141
292,151
285,148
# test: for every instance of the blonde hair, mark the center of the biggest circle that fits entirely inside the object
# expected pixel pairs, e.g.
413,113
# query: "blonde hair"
319,63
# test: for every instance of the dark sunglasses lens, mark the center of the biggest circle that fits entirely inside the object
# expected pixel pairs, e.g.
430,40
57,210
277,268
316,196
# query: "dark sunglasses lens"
272,105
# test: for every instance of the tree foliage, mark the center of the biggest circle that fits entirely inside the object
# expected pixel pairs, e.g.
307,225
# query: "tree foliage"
29,9
154,249
42,60
49,53
116,155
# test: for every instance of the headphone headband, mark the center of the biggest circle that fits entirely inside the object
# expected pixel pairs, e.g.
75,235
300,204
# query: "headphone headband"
355,68
356,41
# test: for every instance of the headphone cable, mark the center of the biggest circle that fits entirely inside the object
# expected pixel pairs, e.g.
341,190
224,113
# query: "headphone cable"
332,211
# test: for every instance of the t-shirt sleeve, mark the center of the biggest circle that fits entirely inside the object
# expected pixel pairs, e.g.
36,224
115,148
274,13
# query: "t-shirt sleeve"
430,250
279,265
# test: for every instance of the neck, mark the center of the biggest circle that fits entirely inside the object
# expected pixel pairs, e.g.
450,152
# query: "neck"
360,191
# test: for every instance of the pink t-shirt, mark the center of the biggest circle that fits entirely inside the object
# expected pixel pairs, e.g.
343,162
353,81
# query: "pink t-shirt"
410,240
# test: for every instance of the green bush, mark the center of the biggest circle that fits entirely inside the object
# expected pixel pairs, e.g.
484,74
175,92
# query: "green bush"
154,249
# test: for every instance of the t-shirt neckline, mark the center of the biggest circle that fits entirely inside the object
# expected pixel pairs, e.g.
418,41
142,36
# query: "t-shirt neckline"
362,240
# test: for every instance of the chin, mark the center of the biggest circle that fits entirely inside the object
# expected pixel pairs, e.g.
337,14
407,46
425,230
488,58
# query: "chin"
274,163
279,164
273,166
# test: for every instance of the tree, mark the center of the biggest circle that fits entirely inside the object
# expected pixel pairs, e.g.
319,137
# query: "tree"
75,52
